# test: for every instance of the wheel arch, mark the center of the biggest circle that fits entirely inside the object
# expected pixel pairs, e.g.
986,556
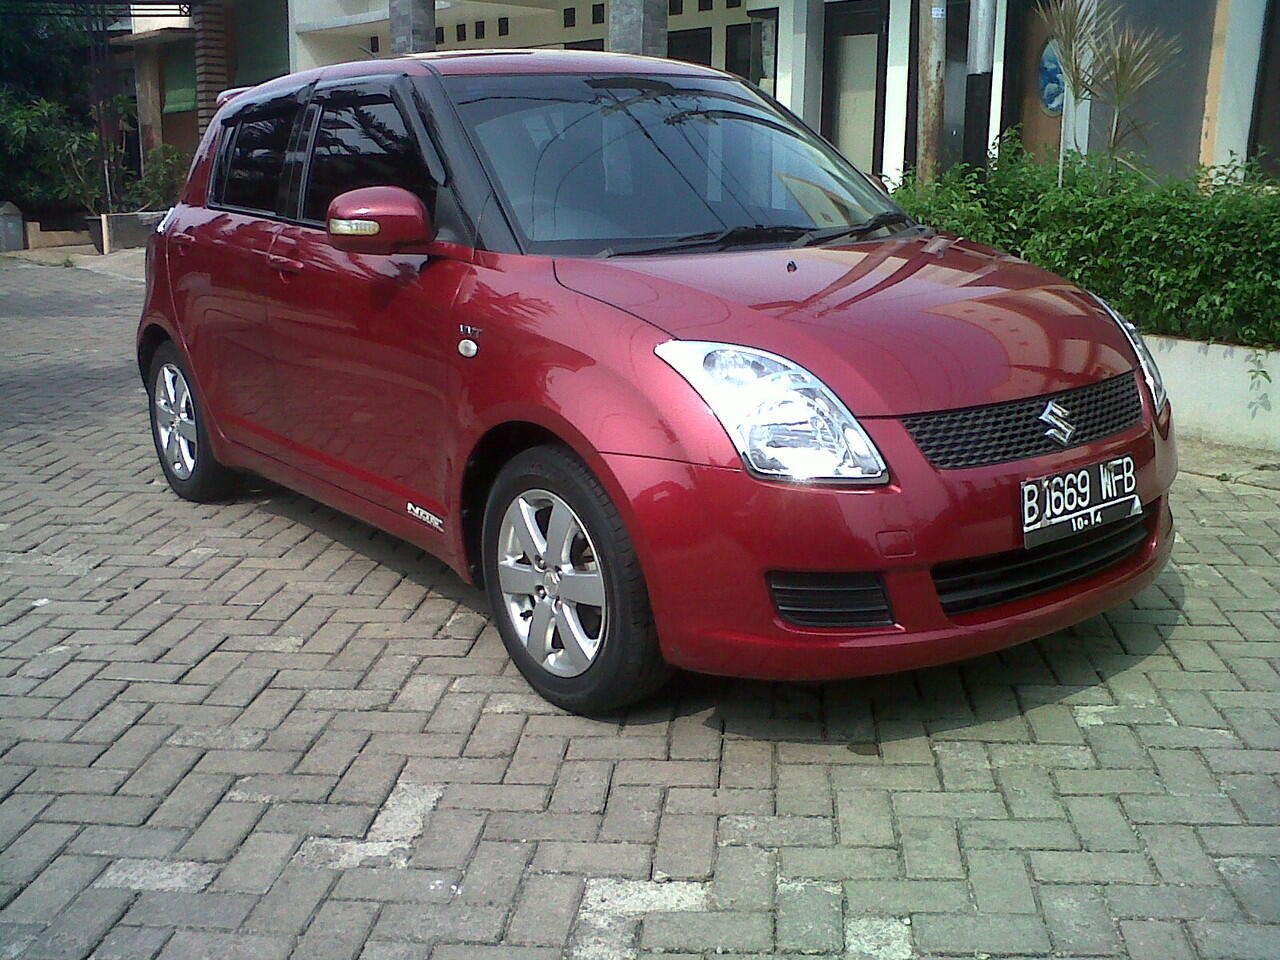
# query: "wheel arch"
488,455
151,338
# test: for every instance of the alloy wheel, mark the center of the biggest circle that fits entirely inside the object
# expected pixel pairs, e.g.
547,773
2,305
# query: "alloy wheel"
175,421
552,583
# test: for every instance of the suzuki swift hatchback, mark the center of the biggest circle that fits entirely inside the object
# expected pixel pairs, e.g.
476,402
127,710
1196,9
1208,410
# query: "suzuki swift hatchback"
623,341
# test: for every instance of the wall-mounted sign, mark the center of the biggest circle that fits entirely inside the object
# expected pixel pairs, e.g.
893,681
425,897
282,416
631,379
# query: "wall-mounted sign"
1053,87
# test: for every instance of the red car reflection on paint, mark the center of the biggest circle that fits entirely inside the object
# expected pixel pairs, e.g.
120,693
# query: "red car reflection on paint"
623,341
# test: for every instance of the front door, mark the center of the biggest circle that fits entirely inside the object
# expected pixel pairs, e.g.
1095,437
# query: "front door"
361,340
853,80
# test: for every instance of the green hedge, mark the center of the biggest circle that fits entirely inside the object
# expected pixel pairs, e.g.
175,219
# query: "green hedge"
1197,258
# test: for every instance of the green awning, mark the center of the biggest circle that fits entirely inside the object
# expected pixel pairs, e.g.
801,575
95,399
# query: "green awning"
178,74
262,41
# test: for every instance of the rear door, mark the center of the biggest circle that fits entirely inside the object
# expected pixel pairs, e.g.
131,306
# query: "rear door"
362,341
218,270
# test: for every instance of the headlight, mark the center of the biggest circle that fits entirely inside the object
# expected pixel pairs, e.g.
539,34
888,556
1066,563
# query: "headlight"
1145,360
784,421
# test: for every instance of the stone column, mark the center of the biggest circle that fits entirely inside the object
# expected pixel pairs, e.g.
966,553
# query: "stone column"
209,19
146,69
638,26
413,26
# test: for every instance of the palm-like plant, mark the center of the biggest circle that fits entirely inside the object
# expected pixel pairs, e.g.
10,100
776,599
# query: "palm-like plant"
1126,60
1103,61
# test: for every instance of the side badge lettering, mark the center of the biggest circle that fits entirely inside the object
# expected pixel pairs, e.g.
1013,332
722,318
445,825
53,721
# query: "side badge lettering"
426,516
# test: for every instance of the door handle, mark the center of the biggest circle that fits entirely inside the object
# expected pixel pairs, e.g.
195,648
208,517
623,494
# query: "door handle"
183,240
284,264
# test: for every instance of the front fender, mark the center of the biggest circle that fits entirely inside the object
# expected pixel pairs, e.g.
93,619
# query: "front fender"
580,369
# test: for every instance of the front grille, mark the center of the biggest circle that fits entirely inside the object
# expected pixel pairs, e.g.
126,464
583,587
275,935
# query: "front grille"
831,599
999,432
976,584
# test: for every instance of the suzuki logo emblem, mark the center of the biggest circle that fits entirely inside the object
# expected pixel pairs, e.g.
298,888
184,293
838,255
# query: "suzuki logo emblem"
1060,427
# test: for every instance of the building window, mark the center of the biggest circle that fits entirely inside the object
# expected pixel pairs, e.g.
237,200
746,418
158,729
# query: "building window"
373,44
479,29
733,3
704,4
597,13
504,26
570,16
460,31
675,8
439,36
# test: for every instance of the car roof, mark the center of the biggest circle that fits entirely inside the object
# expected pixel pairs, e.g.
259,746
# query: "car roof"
520,61
506,62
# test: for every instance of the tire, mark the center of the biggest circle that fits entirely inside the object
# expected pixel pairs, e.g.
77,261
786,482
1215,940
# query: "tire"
176,416
611,658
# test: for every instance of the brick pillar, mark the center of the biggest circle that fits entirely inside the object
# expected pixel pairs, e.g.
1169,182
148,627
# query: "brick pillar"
209,19
413,26
638,26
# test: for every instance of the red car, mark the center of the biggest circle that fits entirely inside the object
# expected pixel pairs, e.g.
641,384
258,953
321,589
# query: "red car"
625,342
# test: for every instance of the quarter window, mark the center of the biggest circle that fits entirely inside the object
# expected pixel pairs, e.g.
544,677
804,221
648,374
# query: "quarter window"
362,141
255,165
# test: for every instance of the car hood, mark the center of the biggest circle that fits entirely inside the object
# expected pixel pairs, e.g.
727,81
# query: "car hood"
926,322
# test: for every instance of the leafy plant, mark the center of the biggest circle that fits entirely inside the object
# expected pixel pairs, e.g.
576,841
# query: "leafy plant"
1196,257
163,174
53,158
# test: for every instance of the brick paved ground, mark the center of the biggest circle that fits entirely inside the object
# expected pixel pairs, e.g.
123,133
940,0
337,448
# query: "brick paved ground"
261,729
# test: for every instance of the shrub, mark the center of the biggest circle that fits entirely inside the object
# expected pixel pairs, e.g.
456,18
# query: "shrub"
162,177
1196,258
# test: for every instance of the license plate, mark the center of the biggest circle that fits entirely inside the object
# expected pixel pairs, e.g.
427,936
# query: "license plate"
1067,503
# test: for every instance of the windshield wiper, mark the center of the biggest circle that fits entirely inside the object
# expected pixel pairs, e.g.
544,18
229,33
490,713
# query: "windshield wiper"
738,236
886,219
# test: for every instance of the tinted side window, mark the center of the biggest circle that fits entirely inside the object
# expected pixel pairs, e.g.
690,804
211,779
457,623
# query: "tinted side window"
362,141
255,165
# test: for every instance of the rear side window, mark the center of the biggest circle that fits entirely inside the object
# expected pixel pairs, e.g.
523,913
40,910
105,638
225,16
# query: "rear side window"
255,163
362,141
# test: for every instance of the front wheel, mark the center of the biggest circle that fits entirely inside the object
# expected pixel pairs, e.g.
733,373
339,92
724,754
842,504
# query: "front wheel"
565,585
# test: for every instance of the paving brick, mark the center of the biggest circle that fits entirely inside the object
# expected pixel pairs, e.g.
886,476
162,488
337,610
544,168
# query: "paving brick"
199,945
1069,867
458,921
392,885
718,932
745,878
988,933
1155,940
593,859
686,847
1078,920
810,918
545,910
288,906
338,931
1000,882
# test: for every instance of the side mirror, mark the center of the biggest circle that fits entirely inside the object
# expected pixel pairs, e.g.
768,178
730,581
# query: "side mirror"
879,182
378,220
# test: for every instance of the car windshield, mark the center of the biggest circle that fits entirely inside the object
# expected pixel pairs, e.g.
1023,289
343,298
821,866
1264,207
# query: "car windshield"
617,164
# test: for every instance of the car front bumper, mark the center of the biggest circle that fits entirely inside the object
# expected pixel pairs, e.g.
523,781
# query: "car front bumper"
708,539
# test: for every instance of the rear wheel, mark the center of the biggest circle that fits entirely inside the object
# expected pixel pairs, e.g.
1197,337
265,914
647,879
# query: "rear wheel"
566,587
178,428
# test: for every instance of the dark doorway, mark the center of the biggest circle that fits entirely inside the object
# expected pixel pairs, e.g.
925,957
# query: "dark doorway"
1265,139
853,79
693,46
